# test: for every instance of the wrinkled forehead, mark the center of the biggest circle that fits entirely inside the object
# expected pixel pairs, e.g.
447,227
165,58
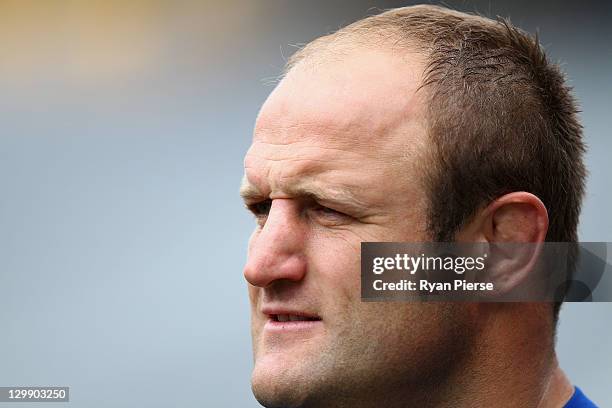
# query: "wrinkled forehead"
356,98
352,123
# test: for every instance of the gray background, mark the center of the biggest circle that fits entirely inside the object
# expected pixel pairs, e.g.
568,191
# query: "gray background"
122,237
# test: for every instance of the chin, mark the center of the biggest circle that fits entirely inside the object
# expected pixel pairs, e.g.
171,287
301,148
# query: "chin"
280,382
272,390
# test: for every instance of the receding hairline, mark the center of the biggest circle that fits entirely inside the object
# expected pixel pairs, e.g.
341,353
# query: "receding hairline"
382,30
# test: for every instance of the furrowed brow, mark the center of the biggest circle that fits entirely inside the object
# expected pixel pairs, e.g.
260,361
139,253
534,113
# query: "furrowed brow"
337,198
249,192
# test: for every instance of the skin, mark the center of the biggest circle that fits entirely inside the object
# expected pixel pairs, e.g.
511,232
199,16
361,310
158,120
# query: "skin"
335,160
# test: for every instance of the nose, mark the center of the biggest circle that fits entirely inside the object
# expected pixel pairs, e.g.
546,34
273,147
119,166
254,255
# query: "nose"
276,251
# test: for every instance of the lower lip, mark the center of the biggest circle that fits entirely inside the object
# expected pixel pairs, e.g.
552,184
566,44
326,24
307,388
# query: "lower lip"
276,326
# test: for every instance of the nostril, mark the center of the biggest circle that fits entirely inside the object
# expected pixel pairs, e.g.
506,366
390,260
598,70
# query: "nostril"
262,270
251,275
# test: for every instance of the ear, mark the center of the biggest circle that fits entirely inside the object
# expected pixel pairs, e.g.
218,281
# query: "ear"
515,227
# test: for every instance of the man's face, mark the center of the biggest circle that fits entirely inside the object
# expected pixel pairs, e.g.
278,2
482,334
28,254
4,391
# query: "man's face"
335,161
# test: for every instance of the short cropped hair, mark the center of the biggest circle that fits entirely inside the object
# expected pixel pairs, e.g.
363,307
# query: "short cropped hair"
500,116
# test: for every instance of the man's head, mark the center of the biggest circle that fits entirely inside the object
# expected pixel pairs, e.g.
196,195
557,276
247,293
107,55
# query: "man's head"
418,124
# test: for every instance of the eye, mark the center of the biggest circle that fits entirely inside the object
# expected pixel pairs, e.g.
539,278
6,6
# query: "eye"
261,209
327,211
329,215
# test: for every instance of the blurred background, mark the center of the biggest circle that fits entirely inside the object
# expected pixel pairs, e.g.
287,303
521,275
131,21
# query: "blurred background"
122,237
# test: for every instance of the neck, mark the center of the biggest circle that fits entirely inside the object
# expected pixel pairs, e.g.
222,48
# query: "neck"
512,364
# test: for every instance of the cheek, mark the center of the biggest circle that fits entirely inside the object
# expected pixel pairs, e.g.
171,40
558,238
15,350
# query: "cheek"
335,266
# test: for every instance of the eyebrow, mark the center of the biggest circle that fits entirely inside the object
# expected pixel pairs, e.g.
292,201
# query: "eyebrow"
248,191
341,197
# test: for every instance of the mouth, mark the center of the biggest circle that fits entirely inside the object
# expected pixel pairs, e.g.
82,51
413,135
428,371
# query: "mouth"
293,318
286,321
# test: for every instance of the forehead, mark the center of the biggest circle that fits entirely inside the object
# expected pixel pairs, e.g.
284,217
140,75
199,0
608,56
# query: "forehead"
358,96
357,110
